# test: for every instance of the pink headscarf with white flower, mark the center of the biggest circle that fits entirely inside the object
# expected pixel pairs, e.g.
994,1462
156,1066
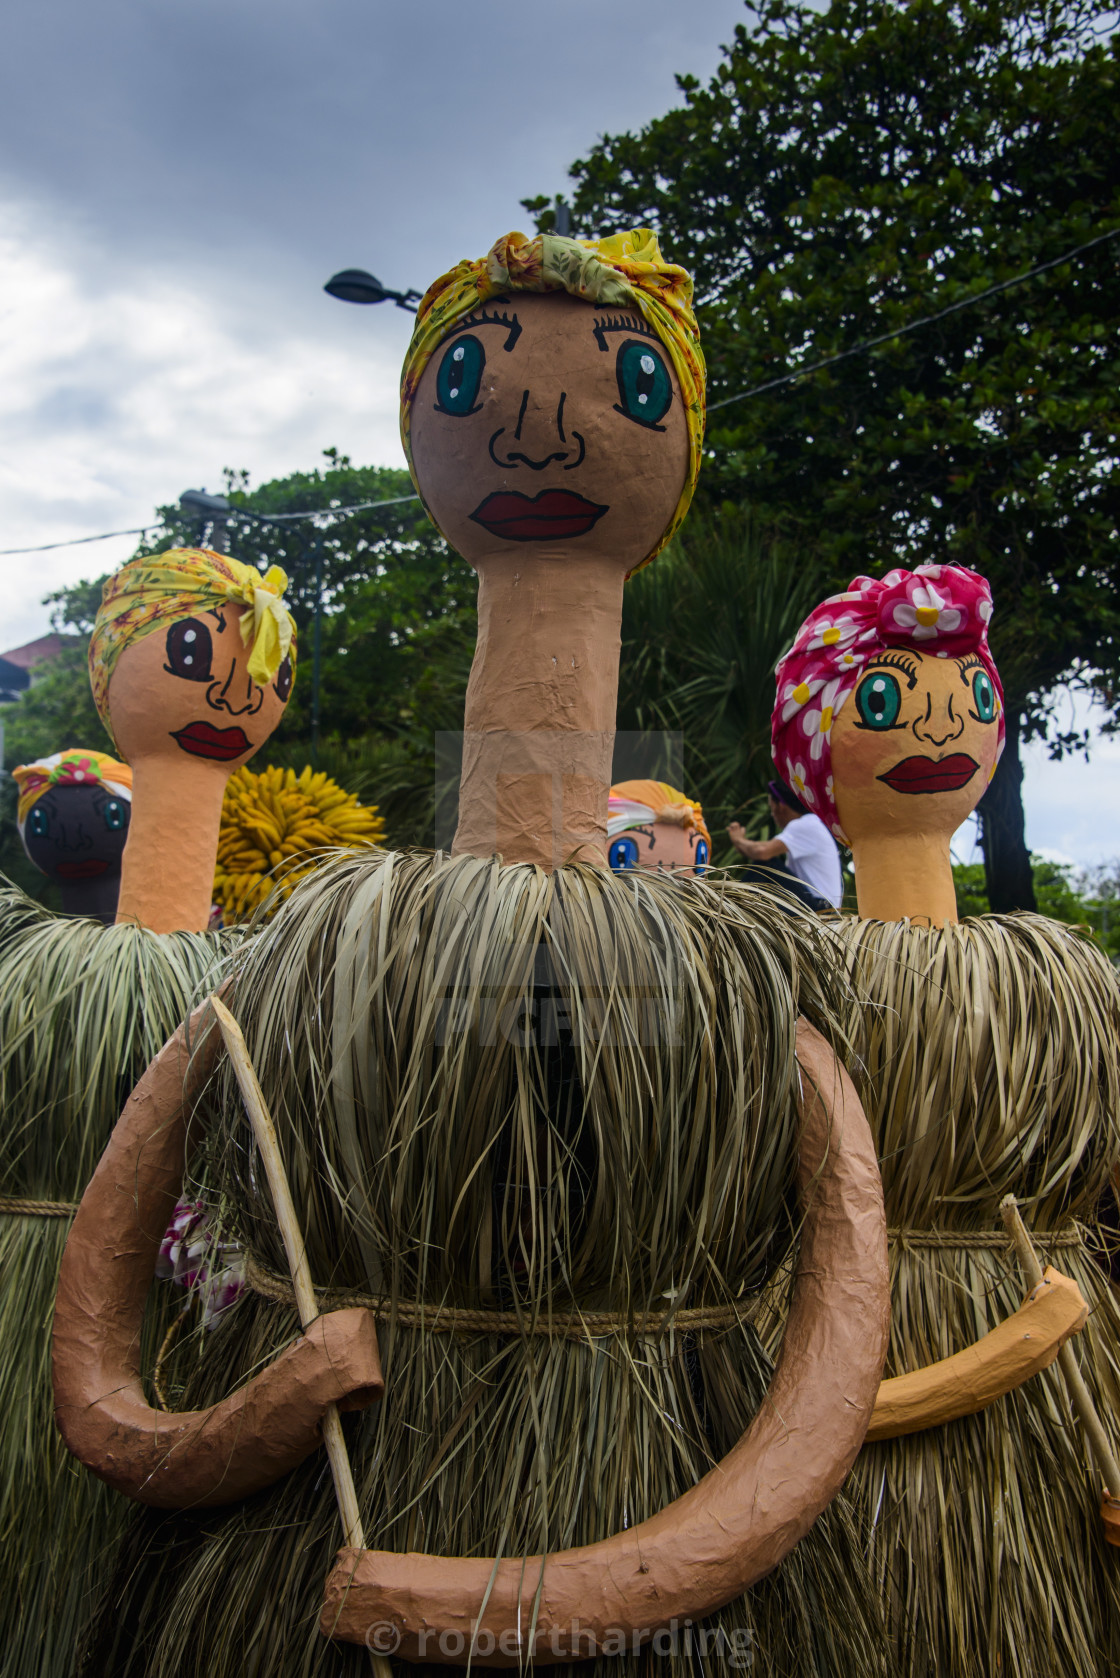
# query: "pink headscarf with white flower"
940,609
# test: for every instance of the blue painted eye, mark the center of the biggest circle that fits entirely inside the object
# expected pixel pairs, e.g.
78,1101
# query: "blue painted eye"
39,823
623,853
701,855
645,389
115,814
878,700
460,377
985,696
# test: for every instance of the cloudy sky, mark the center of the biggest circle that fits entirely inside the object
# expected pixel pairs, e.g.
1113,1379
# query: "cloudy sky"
176,183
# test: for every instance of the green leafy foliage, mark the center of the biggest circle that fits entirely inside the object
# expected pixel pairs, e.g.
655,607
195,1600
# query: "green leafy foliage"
848,172
397,636
398,621
702,630
1087,898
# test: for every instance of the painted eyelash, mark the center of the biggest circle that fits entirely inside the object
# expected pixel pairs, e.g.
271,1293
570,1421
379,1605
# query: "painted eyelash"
491,317
972,662
898,661
621,323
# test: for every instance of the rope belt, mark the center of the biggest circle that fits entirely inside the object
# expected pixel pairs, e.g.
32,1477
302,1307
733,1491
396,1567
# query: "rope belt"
715,1316
1070,1235
13,1207
456,1319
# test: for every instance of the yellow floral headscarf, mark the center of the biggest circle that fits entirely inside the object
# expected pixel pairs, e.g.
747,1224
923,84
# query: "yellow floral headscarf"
75,768
159,588
624,270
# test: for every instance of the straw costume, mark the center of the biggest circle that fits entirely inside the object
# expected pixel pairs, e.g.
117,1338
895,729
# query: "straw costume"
990,1068
528,1115
83,1008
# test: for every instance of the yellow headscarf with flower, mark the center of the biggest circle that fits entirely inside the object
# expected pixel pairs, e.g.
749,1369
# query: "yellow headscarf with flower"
159,588
625,270
75,768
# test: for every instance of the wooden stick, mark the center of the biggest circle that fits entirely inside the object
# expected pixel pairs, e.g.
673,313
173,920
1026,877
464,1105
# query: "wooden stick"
1079,1393
268,1143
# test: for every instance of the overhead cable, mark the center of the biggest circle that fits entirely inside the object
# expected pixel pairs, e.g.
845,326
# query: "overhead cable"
914,325
269,518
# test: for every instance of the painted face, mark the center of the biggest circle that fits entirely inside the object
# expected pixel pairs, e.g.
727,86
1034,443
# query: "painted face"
663,846
548,425
914,747
186,689
76,833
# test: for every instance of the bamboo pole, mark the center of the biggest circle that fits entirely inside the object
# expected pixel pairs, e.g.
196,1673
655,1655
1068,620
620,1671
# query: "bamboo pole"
267,1142
1079,1393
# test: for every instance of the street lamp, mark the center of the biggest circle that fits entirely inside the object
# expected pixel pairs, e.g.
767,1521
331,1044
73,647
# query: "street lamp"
354,285
212,510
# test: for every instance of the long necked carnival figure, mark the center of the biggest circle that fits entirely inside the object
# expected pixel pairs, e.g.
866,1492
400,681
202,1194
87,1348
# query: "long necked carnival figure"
190,663
547,1131
990,1071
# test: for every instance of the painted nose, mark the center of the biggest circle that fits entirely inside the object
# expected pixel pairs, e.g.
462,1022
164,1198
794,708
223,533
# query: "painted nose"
940,724
73,836
540,437
237,694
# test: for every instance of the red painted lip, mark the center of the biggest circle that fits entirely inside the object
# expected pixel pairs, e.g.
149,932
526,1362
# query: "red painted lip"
553,513
927,774
201,739
87,870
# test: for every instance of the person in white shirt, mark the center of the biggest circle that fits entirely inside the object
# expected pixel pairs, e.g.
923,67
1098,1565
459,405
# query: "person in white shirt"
804,858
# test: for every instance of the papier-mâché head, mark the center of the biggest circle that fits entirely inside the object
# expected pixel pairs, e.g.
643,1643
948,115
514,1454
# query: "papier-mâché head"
553,397
192,652
918,743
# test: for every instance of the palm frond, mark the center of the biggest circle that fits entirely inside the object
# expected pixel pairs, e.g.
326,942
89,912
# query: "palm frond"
990,1067
83,1008
497,1087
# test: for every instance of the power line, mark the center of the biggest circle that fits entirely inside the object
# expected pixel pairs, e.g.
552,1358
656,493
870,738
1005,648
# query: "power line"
77,541
913,326
319,512
247,512
713,407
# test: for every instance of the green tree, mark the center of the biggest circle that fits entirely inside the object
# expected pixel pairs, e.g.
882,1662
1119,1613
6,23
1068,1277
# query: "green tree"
846,173
398,616
398,630
702,630
57,711
1081,897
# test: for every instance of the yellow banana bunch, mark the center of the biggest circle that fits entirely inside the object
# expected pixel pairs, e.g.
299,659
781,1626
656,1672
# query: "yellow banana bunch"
275,827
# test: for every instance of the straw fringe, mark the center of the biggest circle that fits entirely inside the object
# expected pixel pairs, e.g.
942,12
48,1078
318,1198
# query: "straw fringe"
991,1068
633,1144
83,1008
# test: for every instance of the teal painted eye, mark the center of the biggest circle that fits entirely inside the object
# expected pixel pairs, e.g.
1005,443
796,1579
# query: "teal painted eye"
460,377
115,815
644,387
39,824
878,700
985,696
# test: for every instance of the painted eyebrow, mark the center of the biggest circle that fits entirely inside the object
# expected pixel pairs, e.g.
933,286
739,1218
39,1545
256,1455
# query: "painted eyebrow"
482,317
217,613
621,323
